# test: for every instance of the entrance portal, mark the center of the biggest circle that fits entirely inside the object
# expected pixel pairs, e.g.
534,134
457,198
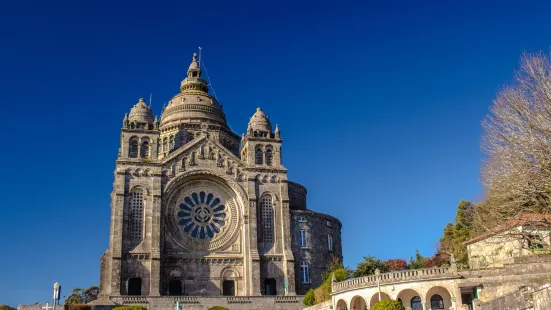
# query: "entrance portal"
270,287
228,288
135,286
175,288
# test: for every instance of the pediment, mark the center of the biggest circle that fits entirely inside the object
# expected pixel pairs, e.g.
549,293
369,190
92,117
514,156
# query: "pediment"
203,153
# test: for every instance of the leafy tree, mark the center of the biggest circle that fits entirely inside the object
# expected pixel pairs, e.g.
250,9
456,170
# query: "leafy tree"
368,265
323,292
418,262
388,304
137,308
451,244
334,264
309,298
435,261
218,308
82,296
6,307
396,264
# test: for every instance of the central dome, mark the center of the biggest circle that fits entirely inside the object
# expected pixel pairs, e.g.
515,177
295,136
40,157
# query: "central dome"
193,103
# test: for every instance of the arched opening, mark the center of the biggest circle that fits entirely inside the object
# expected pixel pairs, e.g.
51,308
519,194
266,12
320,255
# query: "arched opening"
436,302
165,145
438,297
269,157
258,156
416,303
341,305
375,298
135,215
357,303
408,296
133,149
135,286
270,287
228,288
175,287
267,218
144,150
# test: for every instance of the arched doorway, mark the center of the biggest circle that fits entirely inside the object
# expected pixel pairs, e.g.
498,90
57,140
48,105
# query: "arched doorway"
375,298
228,288
410,299
135,286
270,287
438,298
416,303
341,305
175,288
357,303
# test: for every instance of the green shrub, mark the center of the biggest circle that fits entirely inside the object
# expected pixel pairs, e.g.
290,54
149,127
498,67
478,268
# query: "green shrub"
218,308
309,298
6,307
130,308
388,304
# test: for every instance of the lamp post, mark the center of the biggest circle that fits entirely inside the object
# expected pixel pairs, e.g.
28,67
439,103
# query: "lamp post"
56,293
377,273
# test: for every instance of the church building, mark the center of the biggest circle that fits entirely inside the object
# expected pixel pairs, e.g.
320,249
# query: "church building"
198,210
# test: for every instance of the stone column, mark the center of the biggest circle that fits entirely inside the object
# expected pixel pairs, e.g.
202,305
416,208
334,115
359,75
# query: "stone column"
117,218
155,273
288,258
251,248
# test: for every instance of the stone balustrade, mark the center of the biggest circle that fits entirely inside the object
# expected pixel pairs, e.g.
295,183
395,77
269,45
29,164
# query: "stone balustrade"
395,277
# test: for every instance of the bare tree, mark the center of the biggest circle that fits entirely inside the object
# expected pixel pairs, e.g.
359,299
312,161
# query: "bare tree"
517,141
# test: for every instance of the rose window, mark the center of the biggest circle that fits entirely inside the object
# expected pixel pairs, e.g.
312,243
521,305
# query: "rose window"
202,215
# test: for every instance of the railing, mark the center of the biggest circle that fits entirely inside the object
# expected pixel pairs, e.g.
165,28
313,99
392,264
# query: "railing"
187,300
134,300
396,276
239,300
286,299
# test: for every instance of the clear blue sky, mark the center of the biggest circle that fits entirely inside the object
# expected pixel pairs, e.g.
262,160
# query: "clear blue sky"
379,104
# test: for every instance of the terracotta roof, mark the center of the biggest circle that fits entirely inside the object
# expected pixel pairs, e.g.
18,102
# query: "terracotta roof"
521,219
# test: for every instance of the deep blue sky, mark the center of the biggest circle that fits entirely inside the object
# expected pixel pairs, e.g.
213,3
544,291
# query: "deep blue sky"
379,104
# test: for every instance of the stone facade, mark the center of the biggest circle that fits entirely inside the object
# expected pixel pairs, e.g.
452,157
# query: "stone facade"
199,211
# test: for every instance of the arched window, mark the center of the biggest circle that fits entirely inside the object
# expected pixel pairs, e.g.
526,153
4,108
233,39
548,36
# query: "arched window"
267,219
165,145
304,272
135,215
175,287
269,157
258,155
133,150
436,302
416,303
330,242
144,150
171,141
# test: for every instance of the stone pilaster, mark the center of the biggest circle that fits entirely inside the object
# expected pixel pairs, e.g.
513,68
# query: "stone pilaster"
117,217
155,272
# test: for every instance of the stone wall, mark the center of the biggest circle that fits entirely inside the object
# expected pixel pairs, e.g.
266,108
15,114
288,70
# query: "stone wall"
326,305
203,303
316,252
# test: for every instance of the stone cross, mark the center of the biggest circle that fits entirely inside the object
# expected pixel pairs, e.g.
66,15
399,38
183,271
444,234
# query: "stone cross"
48,307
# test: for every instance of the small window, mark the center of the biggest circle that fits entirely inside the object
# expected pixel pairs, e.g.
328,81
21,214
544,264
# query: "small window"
133,151
329,223
304,272
302,238
301,218
436,302
268,157
330,242
144,150
258,155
